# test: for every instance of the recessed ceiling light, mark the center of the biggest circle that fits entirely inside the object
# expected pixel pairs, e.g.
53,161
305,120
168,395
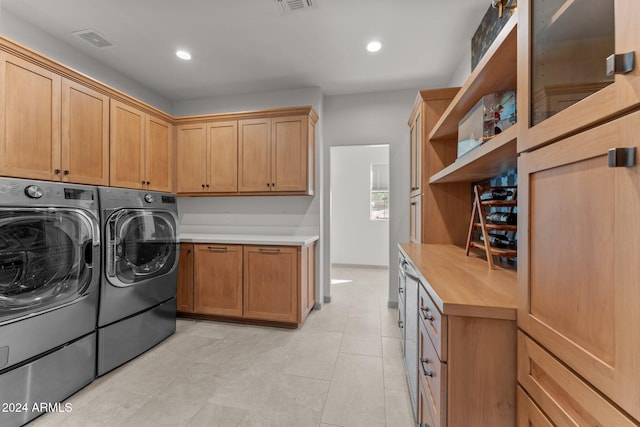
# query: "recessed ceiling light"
183,54
374,46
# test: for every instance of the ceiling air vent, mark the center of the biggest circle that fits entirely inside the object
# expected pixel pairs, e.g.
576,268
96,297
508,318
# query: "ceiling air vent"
288,6
94,38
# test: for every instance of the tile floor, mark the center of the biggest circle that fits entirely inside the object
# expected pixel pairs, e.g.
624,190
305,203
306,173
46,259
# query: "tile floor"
343,367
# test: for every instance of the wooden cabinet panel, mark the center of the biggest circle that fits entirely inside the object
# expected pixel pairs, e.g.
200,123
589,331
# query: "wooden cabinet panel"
415,219
435,323
184,291
289,153
424,413
222,156
578,272
254,156
191,143
85,135
563,397
218,280
30,101
308,278
434,374
127,146
270,283
159,155
415,167
529,415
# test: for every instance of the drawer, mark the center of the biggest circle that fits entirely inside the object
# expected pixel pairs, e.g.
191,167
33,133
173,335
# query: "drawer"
434,374
528,412
560,394
424,413
435,323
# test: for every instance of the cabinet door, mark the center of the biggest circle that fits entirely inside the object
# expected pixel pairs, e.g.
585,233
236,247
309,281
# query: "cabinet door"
415,219
159,155
416,156
254,156
578,269
192,159
85,135
127,146
184,292
289,162
218,280
270,285
29,120
222,155
557,68
529,415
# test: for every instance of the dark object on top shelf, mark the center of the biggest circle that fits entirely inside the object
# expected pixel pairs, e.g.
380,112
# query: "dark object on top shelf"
489,29
496,194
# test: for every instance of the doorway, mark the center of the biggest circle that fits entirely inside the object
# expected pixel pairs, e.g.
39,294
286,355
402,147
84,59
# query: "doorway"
359,209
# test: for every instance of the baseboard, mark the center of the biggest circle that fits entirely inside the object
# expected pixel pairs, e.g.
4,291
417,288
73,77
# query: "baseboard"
369,267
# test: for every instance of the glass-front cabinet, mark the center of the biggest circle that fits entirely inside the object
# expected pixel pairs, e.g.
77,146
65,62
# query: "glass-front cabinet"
577,62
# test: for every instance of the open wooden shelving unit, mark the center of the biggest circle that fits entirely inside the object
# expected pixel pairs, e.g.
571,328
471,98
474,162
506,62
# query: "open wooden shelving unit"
495,72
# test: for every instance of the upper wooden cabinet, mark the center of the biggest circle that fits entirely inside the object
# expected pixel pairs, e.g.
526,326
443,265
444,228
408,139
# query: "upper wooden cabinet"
262,152
275,155
50,127
208,157
141,149
563,85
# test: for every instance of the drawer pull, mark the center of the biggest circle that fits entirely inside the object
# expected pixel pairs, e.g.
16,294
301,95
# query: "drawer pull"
217,248
269,250
425,371
400,290
400,324
426,315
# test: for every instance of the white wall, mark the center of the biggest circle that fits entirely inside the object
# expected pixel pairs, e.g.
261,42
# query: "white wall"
20,31
462,72
372,119
355,237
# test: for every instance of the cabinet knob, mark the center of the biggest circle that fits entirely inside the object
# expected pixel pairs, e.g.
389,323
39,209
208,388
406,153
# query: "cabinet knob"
268,185
203,186
56,171
400,324
148,182
207,185
142,182
66,172
273,184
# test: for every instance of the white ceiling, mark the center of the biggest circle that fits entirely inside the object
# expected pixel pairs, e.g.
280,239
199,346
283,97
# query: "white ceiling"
244,46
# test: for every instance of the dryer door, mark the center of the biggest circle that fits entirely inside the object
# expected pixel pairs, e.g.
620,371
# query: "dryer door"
46,258
141,245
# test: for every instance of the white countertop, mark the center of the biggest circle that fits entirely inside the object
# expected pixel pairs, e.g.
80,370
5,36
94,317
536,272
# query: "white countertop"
248,239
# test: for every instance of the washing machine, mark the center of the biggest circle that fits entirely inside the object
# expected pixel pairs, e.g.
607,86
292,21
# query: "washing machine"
138,287
49,287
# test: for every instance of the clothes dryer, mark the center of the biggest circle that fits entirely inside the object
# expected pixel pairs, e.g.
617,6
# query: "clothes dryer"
138,287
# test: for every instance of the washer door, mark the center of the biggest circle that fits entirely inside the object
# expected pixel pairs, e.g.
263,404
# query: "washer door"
45,259
141,245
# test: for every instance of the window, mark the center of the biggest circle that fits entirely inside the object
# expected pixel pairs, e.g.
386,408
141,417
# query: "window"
379,192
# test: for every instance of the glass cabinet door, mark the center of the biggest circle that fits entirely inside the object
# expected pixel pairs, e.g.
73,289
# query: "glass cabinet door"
565,49
570,41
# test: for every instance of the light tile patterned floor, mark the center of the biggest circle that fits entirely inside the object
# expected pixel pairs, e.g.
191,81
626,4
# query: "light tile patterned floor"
342,368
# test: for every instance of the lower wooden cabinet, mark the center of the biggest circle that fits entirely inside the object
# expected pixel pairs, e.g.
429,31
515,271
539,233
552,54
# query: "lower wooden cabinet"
184,291
248,282
270,274
217,283
563,397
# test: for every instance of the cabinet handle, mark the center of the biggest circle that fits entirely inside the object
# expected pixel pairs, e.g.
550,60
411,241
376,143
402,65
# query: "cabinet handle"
425,371
400,290
273,184
400,324
207,185
142,182
270,250
217,248
56,171
188,251
268,185
425,313
622,63
148,182
66,172
203,186
621,157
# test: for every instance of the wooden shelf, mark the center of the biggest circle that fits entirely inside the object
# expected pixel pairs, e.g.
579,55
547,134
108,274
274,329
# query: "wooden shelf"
506,253
496,156
495,72
498,227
